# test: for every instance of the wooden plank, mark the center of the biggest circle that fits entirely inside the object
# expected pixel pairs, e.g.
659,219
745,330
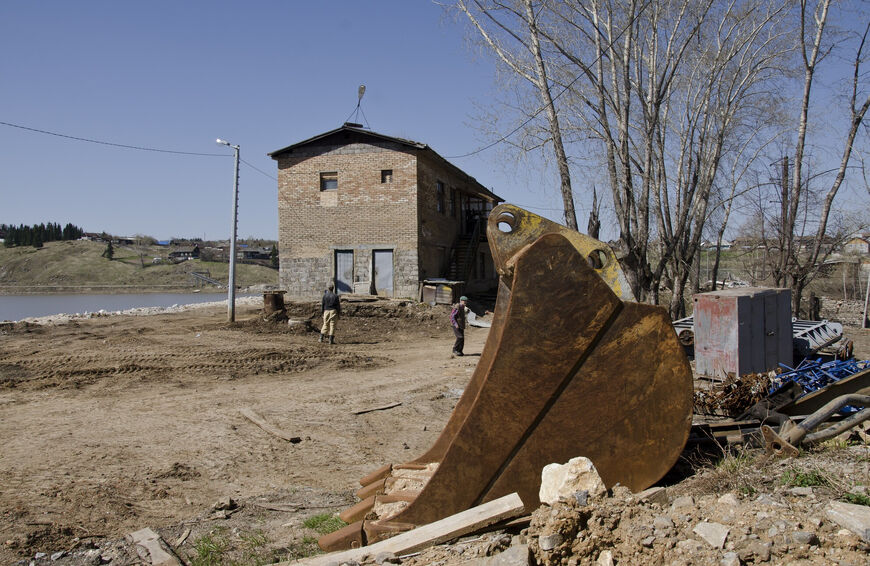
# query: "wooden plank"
150,541
446,529
261,422
381,408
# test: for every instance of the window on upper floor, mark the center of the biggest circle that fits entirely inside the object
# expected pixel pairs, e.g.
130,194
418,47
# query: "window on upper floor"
329,181
386,175
453,202
439,193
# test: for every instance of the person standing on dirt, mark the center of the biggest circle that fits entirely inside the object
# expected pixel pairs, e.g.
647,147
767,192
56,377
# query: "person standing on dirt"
457,321
330,307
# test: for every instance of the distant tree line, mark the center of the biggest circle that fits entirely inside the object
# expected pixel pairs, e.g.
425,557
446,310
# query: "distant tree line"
38,234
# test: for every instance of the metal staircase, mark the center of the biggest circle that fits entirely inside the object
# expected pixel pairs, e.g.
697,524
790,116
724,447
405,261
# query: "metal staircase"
463,254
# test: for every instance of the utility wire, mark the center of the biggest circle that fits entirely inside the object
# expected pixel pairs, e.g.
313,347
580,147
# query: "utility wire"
542,108
140,148
258,170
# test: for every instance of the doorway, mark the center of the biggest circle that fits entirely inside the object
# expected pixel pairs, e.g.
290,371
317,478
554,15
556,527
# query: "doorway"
383,271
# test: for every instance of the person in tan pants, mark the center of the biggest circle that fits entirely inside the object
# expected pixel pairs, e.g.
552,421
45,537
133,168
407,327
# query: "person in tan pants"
330,307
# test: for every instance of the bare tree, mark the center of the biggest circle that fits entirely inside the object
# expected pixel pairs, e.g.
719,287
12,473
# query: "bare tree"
799,260
519,47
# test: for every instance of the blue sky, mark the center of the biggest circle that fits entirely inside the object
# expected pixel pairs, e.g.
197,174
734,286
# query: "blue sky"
177,75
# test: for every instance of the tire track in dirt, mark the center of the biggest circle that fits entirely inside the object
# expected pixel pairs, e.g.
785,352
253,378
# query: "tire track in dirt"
74,370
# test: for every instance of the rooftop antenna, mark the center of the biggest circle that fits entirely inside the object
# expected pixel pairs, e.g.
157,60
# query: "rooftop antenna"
357,111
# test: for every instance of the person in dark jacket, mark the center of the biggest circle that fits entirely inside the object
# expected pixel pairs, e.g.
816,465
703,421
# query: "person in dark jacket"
330,307
457,321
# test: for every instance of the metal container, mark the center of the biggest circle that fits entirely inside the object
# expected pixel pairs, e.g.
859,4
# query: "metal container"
742,330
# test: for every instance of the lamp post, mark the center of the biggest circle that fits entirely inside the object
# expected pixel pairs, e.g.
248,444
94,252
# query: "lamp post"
231,284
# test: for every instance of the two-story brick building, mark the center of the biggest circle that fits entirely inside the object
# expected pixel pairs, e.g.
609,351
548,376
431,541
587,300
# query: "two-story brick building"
377,214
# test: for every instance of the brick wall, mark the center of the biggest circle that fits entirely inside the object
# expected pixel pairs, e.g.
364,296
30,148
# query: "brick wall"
362,214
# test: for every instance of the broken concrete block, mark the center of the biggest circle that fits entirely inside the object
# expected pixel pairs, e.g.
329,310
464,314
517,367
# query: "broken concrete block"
512,556
729,499
713,534
653,495
549,542
605,558
683,503
561,481
856,518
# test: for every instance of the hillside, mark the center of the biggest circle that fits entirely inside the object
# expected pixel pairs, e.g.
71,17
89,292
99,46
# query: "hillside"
78,266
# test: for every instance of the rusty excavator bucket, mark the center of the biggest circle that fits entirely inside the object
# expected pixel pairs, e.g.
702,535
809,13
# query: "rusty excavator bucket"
571,367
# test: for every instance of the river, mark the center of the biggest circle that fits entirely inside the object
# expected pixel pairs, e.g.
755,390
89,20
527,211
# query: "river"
16,307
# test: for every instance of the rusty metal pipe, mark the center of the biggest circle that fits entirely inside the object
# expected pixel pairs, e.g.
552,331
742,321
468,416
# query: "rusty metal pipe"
797,434
839,428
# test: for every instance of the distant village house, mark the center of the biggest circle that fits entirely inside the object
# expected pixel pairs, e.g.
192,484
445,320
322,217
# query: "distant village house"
184,254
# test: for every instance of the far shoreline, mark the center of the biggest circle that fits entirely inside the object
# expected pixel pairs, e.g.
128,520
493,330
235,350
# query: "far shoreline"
27,290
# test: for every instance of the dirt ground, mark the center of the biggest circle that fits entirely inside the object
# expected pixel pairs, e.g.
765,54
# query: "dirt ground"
113,424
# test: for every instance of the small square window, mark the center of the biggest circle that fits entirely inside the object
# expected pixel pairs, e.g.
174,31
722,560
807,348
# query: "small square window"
329,181
386,175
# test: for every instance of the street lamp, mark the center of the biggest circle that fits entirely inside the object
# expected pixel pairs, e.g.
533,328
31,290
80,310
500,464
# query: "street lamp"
231,285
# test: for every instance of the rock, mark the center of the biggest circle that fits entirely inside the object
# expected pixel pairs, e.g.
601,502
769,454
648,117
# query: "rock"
690,546
802,491
605,558
856,518
388,557
549,542
804,537
713,534
653,495
40,555
648,541
512,556
562,481
683,503
225,503
730,559
728,499
57,555
755,549
581,497
766,499
663,523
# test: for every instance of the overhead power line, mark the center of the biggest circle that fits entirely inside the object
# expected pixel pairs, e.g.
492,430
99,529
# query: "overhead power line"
258,170
100,142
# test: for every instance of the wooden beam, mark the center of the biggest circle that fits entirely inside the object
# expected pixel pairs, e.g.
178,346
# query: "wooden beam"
446,529
261,422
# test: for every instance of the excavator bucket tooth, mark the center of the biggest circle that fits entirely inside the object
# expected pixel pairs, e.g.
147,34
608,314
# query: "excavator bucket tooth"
571,367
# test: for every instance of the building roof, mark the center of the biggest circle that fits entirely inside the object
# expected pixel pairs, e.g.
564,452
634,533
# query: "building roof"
347,128
356,128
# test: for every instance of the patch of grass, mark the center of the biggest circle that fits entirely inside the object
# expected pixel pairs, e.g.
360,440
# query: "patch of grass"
324,523
735,463
211,549
254,549
799,478
856,498
301,548
217,548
